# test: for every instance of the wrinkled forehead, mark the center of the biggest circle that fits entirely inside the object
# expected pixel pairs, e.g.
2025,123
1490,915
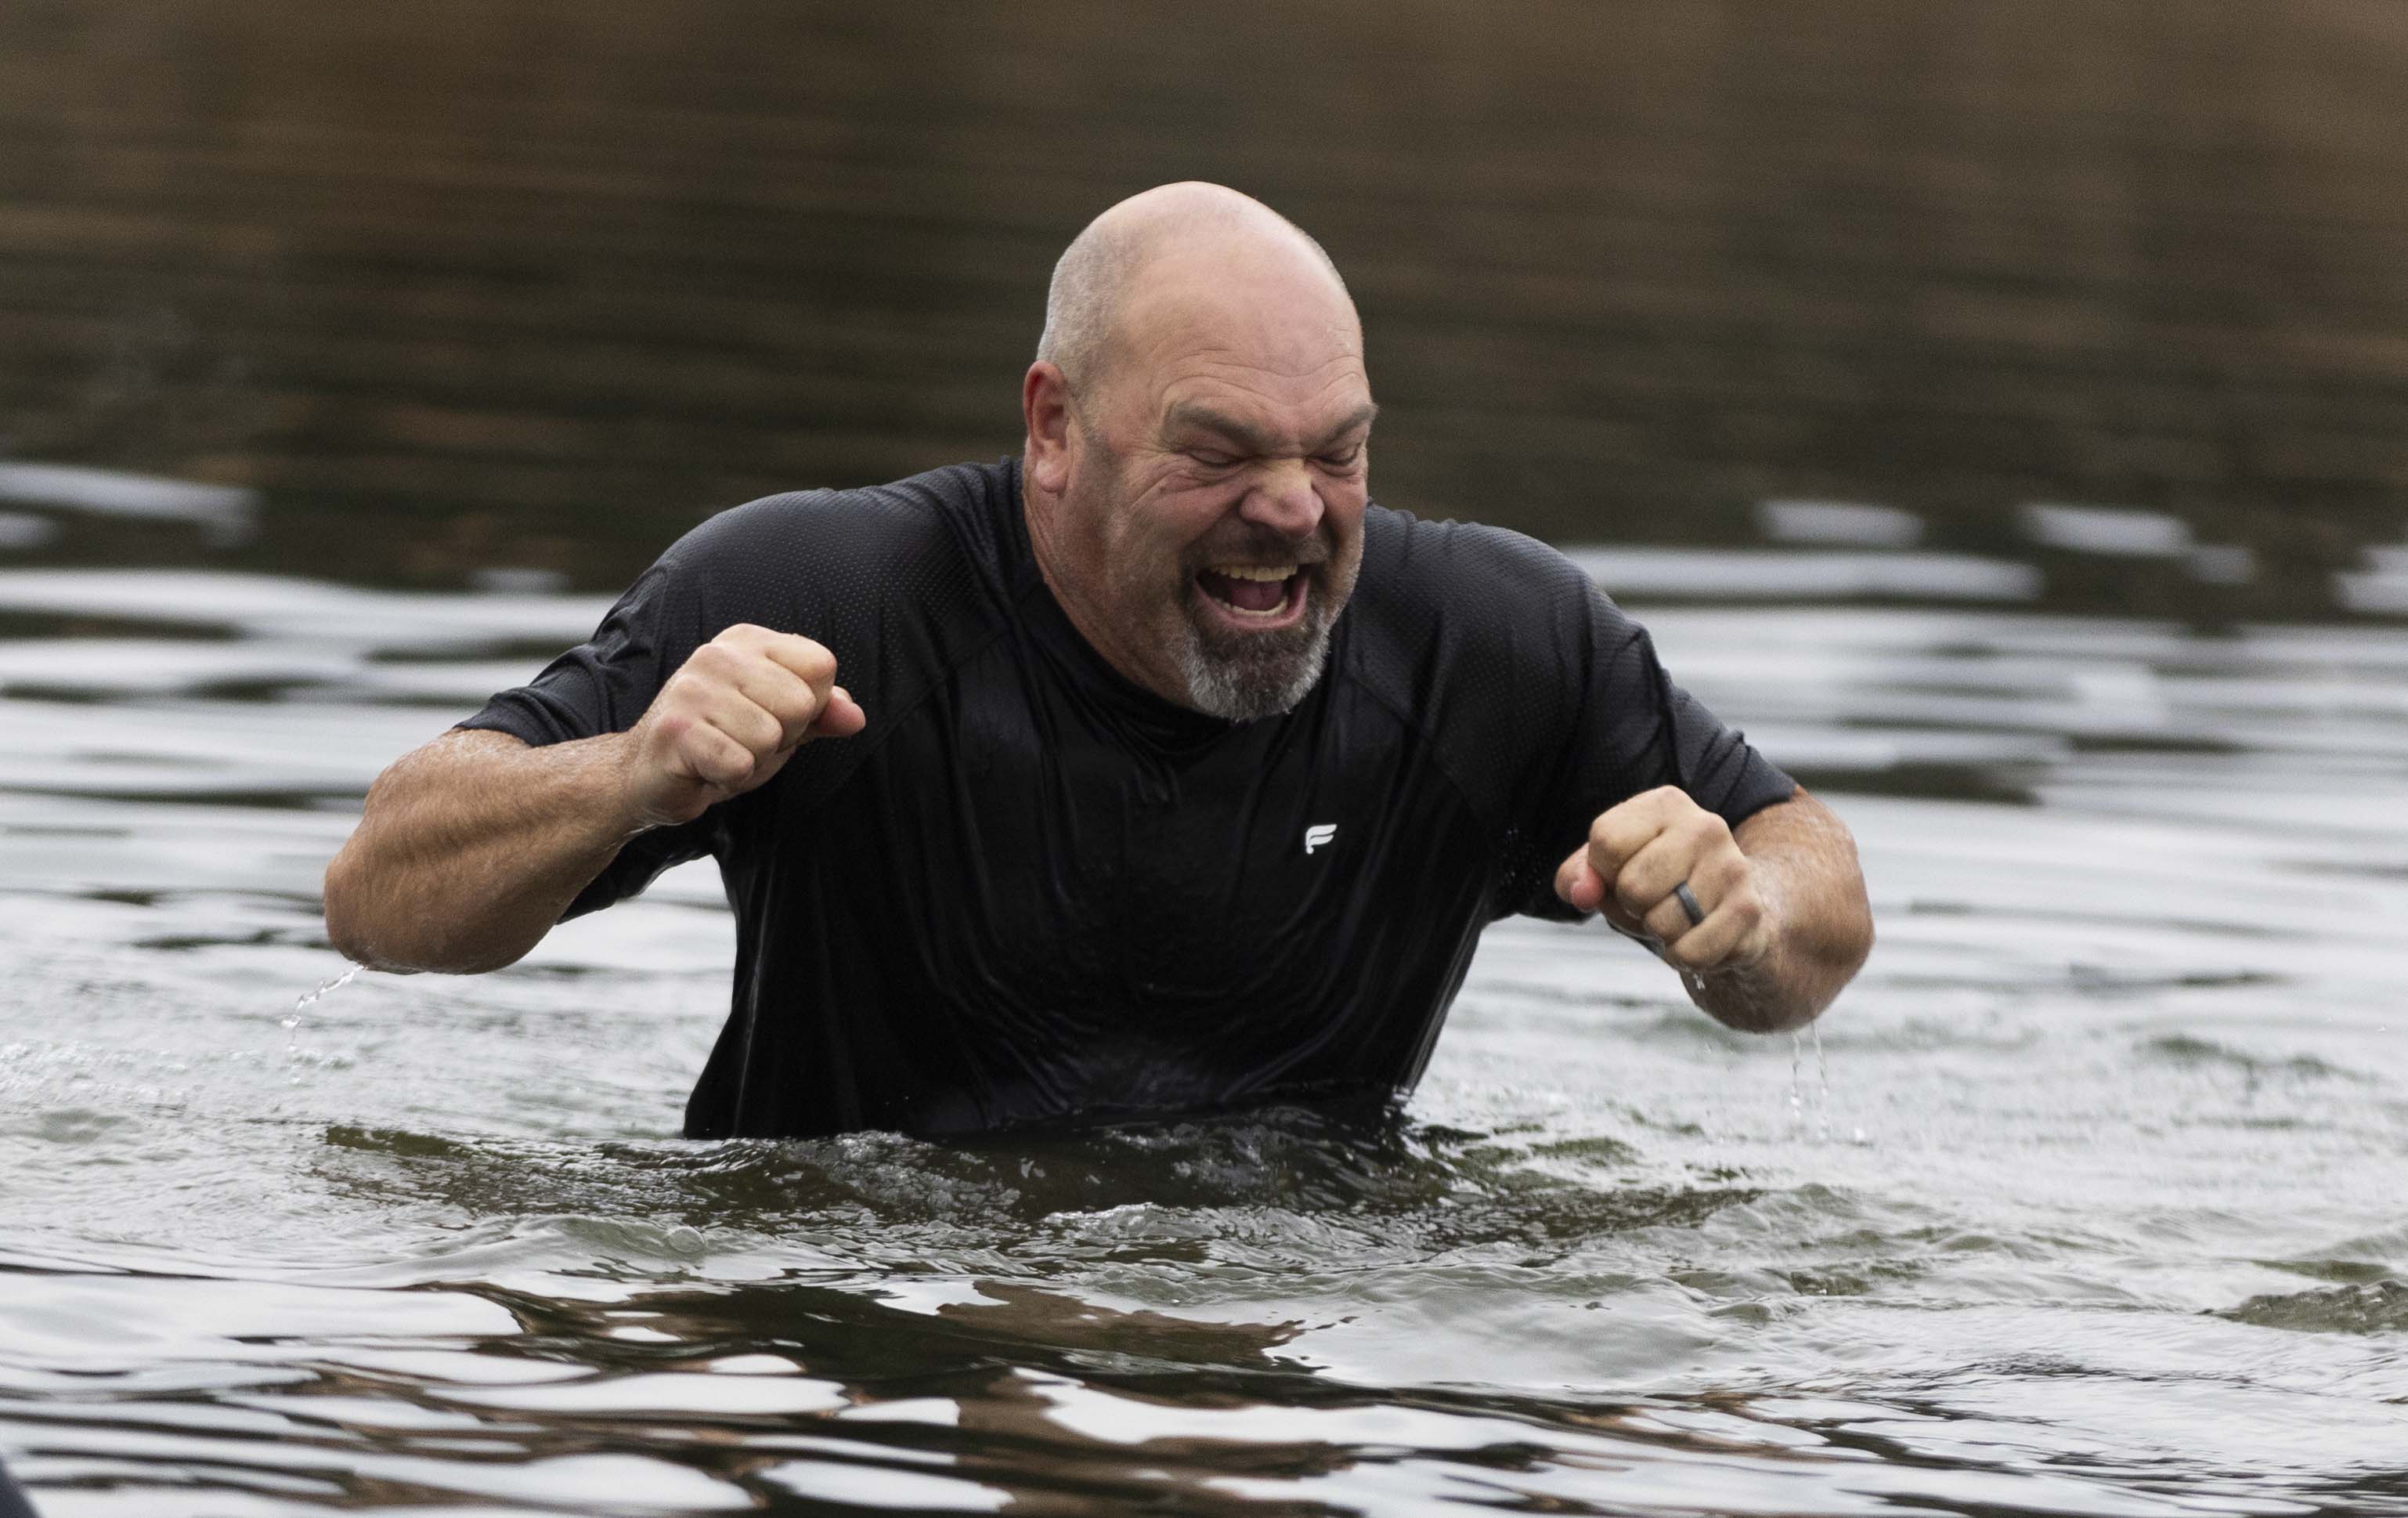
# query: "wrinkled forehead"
1269,334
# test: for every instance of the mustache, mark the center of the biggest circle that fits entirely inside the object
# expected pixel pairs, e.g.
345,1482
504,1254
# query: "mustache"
1257,544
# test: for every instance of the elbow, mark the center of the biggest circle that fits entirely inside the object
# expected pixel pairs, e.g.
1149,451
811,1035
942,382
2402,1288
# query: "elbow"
1846,940
1845,945
1802,980
379,925
341,910
357,934
1855,943
376,938
1767,1014
1843,953
350,919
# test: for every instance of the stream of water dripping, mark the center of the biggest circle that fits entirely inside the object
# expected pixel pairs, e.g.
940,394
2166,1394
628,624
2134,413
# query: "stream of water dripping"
292,1019
1799,1040
1797,1092
1822,1085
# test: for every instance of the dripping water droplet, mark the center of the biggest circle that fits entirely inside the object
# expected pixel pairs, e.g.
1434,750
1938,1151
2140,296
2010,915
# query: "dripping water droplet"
1796,1095
292,1019
1822,1086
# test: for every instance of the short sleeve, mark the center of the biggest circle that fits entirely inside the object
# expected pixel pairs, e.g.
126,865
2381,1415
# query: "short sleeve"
1631,730
603,685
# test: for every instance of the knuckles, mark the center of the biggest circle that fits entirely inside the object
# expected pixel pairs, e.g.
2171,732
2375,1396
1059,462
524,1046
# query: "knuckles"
1666,808
742,635
1745,907
1704,829
810,660
1725,872
731,710
793,651
780,672
729,772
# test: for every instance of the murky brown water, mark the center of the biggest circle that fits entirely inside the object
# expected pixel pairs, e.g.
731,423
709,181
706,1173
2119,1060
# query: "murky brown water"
2098,1211
535,283
347,358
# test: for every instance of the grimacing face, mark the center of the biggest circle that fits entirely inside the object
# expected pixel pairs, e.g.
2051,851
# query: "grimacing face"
1217,494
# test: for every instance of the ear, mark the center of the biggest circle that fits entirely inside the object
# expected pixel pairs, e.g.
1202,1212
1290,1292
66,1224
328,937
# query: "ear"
1045,406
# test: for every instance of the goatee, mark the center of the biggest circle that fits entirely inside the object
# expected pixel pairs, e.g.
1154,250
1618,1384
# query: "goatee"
1245,677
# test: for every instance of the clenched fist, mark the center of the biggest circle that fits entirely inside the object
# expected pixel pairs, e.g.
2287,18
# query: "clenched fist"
1639,853
728,720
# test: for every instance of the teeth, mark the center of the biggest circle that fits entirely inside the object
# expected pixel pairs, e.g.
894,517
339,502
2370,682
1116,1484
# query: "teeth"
1255,571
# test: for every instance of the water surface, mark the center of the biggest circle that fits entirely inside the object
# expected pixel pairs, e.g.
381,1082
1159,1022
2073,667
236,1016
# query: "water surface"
2096,1212
1995,405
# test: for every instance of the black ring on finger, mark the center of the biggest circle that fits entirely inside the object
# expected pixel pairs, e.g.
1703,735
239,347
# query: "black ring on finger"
1688,900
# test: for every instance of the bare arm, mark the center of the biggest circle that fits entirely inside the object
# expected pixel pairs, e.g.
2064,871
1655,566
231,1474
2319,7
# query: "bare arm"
1784,922
471,847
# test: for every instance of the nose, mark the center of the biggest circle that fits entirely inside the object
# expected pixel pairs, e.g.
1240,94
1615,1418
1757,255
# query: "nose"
1283,500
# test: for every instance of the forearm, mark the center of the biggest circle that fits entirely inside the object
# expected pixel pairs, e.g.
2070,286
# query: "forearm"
469,848
1804,866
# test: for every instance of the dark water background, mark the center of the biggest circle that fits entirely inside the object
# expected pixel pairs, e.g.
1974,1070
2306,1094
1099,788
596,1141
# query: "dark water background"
465,283
1999,408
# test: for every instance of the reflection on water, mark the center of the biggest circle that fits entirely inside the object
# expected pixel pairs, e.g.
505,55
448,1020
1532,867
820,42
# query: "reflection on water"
2120,1234
223,513
531,284
1994,404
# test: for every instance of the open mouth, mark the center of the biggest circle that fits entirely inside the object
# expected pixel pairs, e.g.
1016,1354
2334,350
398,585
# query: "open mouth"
1264,593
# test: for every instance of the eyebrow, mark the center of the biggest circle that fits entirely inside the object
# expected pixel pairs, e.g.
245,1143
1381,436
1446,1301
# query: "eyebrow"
1256,441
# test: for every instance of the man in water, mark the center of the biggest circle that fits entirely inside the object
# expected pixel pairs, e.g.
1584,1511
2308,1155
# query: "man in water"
1155,771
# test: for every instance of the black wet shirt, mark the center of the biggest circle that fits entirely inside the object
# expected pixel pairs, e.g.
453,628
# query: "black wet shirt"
1032,892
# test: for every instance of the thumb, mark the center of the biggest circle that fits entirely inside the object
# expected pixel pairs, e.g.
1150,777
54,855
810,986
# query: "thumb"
1578,884
840,716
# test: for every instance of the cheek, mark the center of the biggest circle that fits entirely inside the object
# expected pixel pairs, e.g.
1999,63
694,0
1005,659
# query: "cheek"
1169,521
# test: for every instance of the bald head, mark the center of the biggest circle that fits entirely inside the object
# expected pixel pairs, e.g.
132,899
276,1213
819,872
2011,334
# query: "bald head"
1199,420
1101,270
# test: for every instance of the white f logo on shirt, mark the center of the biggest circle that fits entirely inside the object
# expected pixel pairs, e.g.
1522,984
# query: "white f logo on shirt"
1319,834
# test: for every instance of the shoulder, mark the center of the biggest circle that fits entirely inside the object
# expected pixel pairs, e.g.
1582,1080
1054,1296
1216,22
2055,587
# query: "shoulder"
1478,592
1500,652
810,556
1487,643
951,508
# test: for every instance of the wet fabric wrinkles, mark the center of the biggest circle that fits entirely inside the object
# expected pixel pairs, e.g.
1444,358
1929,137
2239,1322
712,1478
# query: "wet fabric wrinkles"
1032,892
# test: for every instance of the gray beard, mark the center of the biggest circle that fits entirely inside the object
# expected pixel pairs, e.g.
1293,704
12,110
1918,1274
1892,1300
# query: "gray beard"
1245,677
1253,675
